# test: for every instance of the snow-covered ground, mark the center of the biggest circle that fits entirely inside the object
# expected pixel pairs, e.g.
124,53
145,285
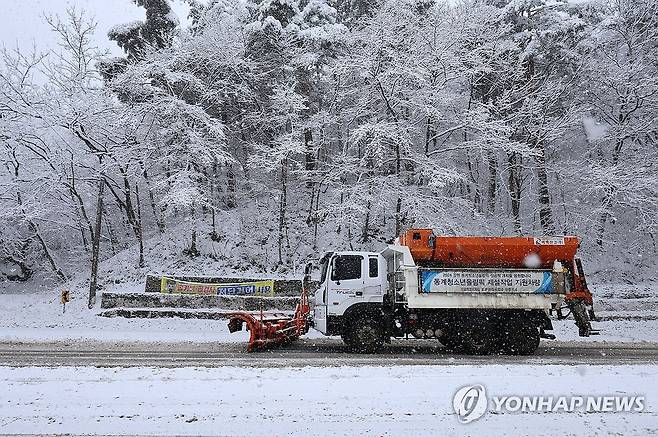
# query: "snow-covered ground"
334,401
328,400
38,317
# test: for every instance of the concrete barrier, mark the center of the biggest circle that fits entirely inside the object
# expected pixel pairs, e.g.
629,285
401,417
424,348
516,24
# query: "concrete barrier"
162,300
155,313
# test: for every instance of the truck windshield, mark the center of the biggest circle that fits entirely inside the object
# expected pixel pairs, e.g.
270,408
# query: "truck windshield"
346,267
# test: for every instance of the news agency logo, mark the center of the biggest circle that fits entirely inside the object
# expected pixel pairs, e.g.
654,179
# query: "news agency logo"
471,402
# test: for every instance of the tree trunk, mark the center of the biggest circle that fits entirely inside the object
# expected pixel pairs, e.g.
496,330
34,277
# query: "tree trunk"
127,205
545,212
193,248
473,172
230,187
138,228
310,156
398,218
110,231
95,249
77,198
46,251
156,213
83,236
608,196
34,228
428,134
214,235
398,203
515,190
365,231
282,208
82,216
605,215
492,164
316,219
309,216
193,251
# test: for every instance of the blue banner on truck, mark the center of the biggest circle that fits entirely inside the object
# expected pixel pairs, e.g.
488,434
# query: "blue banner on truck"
485,281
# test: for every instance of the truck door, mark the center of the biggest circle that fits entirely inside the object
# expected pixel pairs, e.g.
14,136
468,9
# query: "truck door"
345,284
320,314
320,298
372,281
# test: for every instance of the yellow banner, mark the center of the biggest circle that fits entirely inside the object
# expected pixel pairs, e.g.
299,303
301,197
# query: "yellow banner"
257,288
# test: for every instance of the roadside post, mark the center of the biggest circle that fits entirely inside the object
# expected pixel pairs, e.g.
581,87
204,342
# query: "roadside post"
64,298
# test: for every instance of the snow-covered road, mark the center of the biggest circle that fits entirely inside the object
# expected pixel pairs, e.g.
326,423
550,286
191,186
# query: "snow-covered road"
320,352
314,401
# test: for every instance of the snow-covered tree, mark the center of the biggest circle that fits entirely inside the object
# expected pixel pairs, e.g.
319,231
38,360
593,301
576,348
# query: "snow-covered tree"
620,85
294,126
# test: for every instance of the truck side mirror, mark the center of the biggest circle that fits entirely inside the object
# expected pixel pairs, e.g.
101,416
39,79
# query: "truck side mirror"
307,274
333,270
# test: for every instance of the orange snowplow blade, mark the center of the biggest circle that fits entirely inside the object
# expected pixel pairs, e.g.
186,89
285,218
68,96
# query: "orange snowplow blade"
271,329
268,329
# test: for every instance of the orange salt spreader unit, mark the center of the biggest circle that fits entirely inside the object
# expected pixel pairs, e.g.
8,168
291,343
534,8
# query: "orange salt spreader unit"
430,250
519,252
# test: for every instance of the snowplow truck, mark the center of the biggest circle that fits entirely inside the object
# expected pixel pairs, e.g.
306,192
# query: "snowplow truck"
476,295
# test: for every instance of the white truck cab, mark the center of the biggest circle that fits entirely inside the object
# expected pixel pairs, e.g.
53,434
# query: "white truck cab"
347,279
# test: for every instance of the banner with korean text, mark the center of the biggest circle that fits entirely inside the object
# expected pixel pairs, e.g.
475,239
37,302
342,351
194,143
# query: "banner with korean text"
256,288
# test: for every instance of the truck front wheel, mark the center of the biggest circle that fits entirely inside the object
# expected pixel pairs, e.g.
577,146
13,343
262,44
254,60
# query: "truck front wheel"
364,335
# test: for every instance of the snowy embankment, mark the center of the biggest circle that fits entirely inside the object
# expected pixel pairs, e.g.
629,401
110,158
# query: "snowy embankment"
629,313
38,317
335,401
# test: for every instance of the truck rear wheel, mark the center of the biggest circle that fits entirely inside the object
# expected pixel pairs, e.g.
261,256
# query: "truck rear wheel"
345,336
478,339
579,311
519,339
364,335
452,341
473,340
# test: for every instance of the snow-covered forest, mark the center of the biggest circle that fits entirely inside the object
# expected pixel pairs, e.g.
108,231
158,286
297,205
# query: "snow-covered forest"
268,131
